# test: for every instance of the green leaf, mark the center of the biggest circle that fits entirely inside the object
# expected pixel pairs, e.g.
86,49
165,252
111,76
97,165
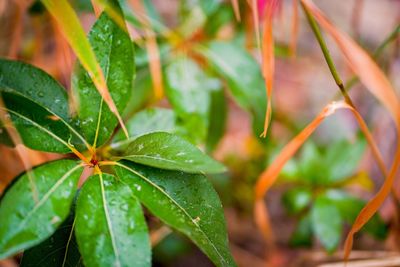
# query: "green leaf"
114,51
171,152
36,126
350,206
34,207
188,90
311,165
343,158
148,121
38,106
296,199
243,76
110,226
302,236
35,85
217,119
186,202
60,249
326,223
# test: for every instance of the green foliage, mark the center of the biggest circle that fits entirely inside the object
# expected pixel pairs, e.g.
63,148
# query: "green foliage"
179,199
229,60
156,166
36,205
60,249
168,151
110,222
114,51
318,197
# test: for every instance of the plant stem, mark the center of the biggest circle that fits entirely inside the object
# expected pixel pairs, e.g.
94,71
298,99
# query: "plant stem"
327,56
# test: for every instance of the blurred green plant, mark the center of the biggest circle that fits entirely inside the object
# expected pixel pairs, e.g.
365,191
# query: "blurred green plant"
317,195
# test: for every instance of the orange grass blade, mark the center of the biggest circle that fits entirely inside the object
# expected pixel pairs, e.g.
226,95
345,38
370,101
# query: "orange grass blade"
372,206
268,62
152,51
73,32
270,175
236,10
256,21
360,62
96,8
378,84
21,150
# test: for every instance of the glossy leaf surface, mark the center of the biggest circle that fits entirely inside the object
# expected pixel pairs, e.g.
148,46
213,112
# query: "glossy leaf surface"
60,249
114,51
186,202
171,152
32,210
38,106
110,226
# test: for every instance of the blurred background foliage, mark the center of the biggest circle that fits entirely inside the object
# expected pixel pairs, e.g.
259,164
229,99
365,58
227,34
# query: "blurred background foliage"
198,75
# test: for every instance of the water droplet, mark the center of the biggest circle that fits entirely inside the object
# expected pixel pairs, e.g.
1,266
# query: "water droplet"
40,94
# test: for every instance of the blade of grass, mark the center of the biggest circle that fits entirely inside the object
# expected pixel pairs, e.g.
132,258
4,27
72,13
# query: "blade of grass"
73,32
236,10
270,175
360,62
256,21
96,8
20,148
375,80
268,63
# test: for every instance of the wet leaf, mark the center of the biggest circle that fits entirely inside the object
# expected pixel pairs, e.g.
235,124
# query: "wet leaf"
70,26
36,125
186,202
110,226
60,249
171,152
34,84
38,106
326,223
34,207
114,51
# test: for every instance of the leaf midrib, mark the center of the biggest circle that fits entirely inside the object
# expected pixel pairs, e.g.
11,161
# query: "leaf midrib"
43,200
102,98
51,112
109,223
174,202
